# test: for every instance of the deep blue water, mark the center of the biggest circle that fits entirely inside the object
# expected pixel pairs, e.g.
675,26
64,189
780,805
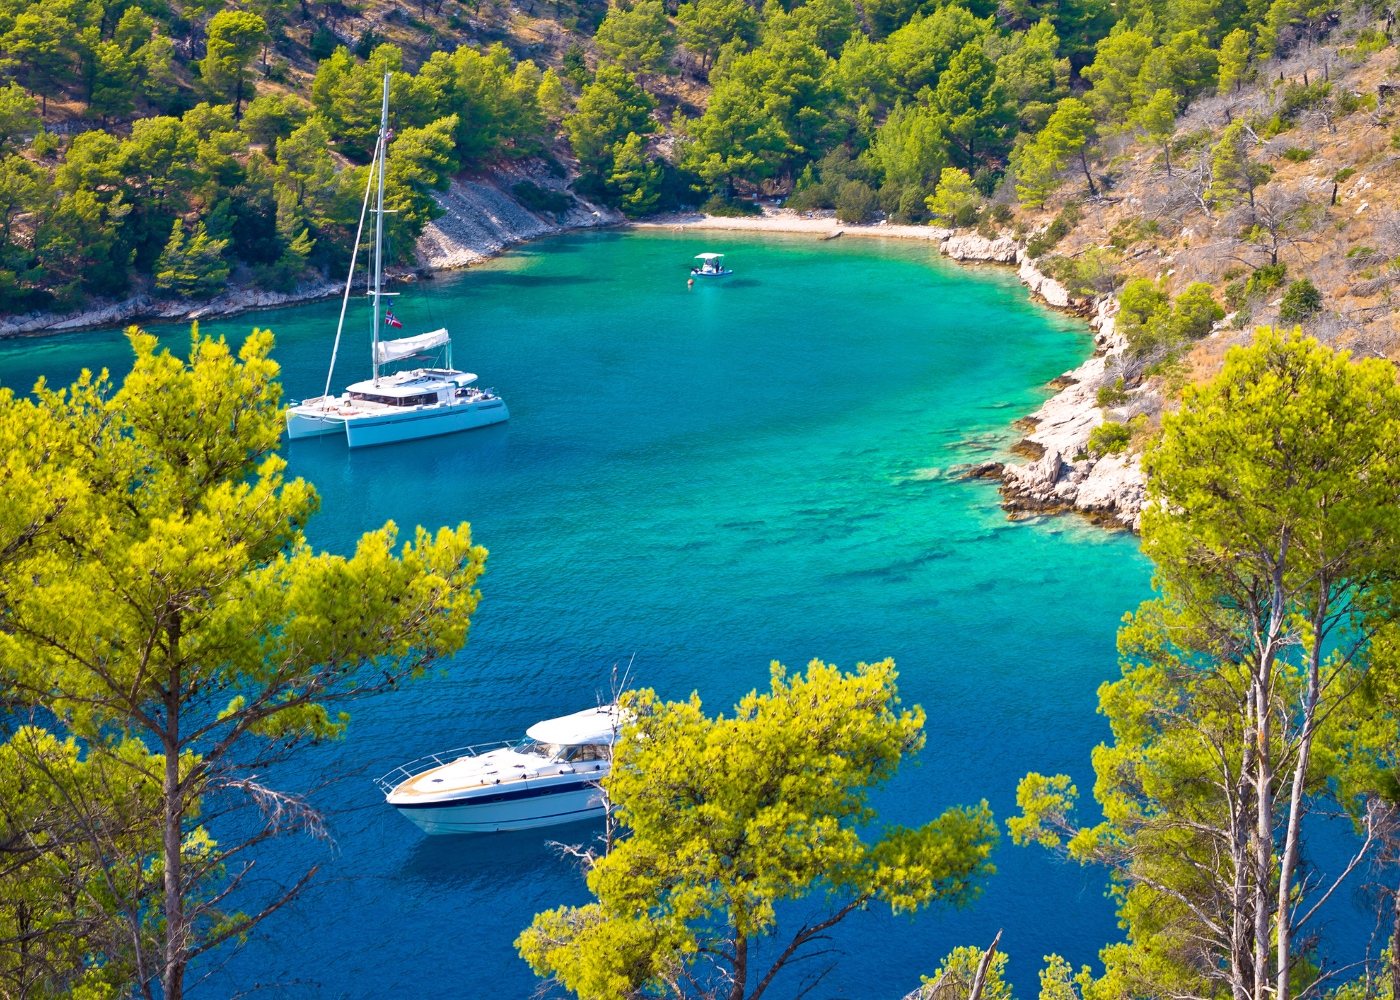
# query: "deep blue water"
704,480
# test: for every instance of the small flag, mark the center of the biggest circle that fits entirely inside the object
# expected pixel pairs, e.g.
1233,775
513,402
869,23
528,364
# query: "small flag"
391,320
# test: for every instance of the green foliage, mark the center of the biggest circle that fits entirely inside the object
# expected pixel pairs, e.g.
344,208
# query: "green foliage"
1234,175
1109,438
1043,242
634,179
706,26
1234,61
729,818
323,43
538,199
611,108
270,119
920,51
421,161
958,971
974,109
1111,395
1032,76
1158,119
1065,140
954,195
192,266
856,203
1093,272
1294,154
19,116
909,150
167,493
1301,301
233,38
637,37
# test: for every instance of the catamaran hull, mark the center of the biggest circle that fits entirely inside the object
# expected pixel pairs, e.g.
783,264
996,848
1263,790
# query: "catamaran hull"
519,809
389,428
308,425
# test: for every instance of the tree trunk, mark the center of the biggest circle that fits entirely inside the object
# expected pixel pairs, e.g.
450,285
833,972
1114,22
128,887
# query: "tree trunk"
1395,949
1263,840
1167,154
1284,921
1084,162
173,979
741,967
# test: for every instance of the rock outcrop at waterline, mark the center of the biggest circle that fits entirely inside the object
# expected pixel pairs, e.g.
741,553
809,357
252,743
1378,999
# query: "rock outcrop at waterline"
1061,474
139,307
480,219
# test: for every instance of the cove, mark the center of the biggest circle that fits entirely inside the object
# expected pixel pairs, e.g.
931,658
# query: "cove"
706,480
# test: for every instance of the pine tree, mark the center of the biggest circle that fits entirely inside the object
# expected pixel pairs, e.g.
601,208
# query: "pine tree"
191,267
955,193
635,178
1234,60
1158,119
1234,176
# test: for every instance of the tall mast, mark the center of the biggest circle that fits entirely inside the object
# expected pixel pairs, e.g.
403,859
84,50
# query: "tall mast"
379,221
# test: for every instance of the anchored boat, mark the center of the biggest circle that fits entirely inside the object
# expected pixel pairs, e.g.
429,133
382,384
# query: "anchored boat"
399,402
711,266
550,777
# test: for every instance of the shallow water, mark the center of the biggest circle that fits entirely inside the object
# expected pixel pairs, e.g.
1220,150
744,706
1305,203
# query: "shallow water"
707,480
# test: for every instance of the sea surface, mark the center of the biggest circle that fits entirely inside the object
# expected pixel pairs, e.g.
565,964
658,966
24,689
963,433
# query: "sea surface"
696,482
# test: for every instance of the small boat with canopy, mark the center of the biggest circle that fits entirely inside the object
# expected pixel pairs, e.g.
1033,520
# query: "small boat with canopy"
711,266
413,392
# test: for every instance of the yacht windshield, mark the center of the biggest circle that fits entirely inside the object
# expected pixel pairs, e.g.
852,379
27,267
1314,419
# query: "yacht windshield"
546,750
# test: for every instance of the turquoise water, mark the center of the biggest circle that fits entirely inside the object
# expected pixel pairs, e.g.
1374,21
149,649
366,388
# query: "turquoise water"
704,480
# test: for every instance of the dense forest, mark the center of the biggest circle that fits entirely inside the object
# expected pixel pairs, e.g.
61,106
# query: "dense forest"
173,147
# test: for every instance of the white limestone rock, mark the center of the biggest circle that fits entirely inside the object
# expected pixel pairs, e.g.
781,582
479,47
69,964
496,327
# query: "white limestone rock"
1114,485
970,246
1048,289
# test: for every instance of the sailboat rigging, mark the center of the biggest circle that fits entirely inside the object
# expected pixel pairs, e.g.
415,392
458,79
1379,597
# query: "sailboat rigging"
401,404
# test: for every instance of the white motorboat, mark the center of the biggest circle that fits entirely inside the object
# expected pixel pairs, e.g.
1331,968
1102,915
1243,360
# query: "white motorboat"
711,266
550,777
398,402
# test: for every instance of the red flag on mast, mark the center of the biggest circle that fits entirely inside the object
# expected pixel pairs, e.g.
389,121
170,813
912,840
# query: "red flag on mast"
390,319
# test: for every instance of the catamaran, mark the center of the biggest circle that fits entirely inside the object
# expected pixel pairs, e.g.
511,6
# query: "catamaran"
399,402
711,266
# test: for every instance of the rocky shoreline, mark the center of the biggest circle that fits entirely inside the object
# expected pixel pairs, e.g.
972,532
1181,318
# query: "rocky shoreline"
1061,475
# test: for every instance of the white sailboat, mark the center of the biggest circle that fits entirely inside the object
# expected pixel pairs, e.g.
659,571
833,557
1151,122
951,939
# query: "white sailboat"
398,402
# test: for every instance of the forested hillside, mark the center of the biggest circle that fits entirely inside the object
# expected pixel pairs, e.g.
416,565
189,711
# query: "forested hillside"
175,147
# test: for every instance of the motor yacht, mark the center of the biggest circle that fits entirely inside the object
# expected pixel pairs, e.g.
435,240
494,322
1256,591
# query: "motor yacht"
550,777
399,402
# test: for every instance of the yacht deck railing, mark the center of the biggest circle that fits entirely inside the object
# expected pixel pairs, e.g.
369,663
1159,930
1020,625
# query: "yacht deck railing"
388,782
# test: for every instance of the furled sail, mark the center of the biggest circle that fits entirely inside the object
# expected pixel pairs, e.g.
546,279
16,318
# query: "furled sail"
406,347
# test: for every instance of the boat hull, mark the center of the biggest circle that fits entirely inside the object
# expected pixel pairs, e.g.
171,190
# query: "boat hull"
528,808
389,428
308,423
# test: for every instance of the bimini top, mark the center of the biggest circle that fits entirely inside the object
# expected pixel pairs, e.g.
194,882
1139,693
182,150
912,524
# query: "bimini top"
396,350
594,725
709,256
